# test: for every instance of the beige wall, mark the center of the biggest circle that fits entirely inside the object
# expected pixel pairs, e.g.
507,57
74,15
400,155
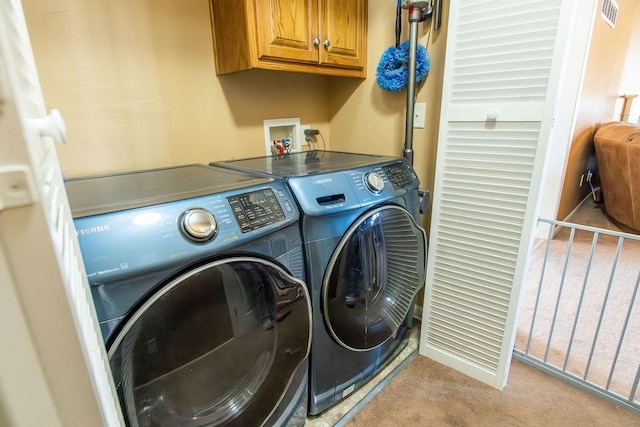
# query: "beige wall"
630,83
136,84
600,92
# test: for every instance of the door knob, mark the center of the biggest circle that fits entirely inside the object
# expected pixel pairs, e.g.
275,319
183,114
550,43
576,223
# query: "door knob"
326,43
52,126
316,41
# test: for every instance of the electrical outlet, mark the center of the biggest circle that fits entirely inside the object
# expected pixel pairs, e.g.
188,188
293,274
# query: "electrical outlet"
419,111
302,138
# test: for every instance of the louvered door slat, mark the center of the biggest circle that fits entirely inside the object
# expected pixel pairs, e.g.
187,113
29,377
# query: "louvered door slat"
492,321
495,211
501,59
484,299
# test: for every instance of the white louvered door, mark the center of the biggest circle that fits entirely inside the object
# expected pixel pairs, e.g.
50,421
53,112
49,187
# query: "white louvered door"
502,72
53,366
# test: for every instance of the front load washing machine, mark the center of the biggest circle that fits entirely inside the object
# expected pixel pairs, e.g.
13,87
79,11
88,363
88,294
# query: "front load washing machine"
195,274
365,258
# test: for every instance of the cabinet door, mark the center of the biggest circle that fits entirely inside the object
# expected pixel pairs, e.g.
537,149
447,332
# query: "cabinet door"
286,29
343,27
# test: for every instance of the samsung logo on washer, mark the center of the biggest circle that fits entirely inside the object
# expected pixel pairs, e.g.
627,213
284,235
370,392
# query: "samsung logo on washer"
93,230
322,181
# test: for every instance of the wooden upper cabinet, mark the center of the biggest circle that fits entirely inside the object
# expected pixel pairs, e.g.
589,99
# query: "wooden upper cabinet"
286,29
311,36
343,26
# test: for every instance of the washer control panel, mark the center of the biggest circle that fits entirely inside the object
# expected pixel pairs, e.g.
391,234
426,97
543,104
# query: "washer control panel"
131,242
256,209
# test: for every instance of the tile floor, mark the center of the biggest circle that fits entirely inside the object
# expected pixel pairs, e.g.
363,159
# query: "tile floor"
342,411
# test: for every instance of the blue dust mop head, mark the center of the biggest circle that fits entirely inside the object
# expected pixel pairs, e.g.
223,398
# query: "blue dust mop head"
393,70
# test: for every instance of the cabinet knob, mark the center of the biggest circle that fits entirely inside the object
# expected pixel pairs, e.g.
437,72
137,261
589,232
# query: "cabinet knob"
316,41
326,43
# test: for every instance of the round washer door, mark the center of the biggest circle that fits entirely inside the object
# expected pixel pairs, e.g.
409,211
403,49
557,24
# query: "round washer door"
218,345
373,277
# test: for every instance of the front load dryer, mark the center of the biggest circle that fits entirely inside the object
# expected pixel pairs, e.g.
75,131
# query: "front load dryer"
195,274
365,259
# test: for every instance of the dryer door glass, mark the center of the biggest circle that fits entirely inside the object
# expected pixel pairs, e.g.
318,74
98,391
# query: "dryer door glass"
218,344
373,278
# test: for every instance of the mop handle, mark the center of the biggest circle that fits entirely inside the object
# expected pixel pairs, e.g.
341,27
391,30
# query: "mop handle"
398,23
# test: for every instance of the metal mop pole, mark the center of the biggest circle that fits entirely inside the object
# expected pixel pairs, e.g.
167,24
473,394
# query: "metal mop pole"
417,12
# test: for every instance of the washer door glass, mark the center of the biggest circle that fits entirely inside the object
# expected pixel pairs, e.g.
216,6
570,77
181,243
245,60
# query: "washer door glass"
217,345
373,278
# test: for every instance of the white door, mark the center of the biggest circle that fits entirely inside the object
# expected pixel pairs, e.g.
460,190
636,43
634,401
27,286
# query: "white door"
53,368
503,70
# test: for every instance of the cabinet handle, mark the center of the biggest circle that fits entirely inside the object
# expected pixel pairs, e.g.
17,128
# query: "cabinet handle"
316,41
326,43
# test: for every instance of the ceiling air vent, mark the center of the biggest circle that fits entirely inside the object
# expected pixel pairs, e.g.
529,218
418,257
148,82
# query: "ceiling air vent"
609,12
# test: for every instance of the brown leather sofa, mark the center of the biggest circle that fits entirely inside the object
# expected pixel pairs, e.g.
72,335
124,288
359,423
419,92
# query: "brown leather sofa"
618,152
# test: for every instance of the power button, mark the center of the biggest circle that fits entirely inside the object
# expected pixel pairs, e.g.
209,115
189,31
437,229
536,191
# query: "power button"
198,224
374,182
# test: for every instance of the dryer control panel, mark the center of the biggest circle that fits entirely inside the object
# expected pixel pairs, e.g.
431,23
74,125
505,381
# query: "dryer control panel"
334,192
398,175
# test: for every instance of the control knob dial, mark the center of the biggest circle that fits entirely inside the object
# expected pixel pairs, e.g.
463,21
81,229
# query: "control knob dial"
198,224
374,182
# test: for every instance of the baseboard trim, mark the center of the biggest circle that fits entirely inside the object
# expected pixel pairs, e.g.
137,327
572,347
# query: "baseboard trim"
573,212
556,230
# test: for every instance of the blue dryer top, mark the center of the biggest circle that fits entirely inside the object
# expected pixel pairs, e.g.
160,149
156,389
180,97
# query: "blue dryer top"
116,192
328,182
305,163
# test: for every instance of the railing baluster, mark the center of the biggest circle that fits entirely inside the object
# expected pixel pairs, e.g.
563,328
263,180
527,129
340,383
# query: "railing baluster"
634,389
624,332
560,287
535,307
604,306
579,309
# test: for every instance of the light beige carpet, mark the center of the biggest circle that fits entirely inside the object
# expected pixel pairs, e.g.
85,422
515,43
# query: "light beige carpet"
427,393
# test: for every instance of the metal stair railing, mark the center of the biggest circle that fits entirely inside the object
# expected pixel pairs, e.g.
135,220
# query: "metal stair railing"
580,314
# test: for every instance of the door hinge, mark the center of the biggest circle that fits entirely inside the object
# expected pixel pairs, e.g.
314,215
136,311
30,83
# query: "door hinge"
16,187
